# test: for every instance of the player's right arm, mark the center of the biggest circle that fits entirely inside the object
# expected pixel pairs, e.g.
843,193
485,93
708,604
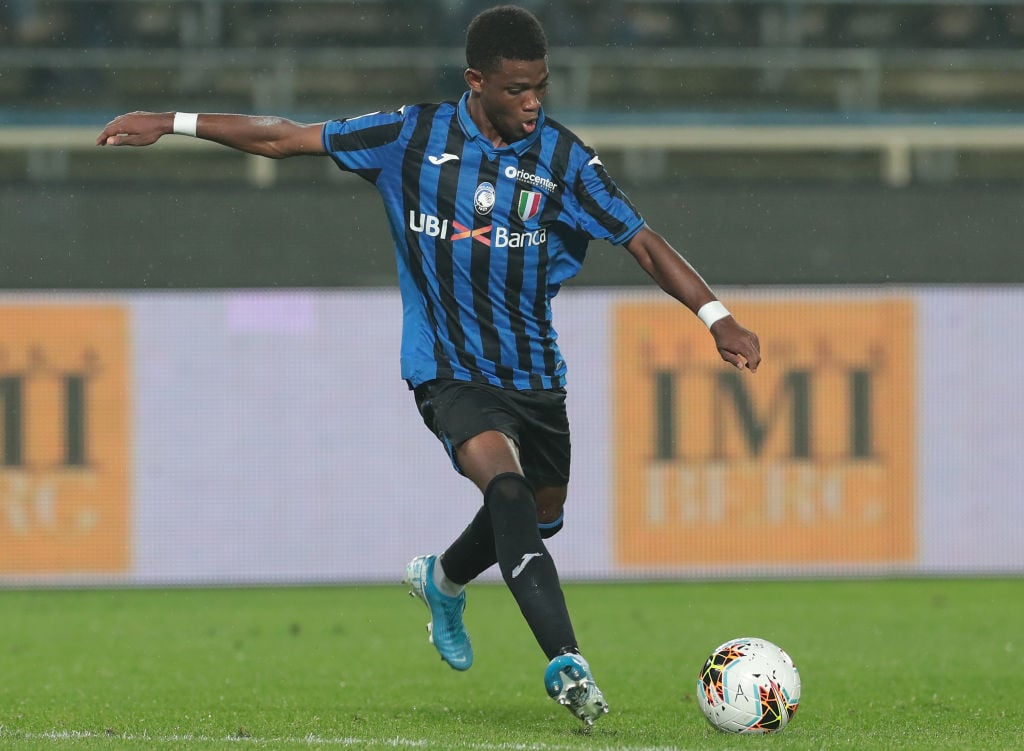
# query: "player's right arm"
274,137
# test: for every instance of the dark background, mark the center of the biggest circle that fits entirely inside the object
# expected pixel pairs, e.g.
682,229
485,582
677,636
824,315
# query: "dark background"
157,236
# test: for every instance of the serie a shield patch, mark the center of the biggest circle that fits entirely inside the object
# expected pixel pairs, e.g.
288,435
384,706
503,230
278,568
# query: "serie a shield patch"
529,204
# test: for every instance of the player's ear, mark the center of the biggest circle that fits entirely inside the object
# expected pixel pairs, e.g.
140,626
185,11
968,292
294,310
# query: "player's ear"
474,79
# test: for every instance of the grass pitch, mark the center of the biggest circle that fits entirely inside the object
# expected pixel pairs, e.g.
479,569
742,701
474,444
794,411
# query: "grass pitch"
905,664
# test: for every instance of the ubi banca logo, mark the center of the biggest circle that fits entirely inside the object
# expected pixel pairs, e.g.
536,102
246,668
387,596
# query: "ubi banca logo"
495,236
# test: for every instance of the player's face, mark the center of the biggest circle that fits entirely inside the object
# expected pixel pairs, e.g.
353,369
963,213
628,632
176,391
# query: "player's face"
505,103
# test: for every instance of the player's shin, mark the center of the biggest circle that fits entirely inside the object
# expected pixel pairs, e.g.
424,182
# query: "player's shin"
525,563
472,553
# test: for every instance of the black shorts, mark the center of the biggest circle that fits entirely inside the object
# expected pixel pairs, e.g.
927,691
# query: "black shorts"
536,420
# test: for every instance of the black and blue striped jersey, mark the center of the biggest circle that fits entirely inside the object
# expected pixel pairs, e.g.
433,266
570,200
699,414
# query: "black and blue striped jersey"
484,236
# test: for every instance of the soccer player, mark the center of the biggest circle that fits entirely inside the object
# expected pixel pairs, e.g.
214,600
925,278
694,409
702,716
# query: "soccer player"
491,205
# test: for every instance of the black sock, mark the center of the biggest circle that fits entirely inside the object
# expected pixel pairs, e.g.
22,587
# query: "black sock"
472,553
526,564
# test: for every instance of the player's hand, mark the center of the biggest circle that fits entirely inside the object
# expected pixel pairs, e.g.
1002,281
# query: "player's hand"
736,345
136,129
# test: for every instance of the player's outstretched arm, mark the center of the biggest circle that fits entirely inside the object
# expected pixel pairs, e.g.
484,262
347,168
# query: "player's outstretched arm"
678,278
274,137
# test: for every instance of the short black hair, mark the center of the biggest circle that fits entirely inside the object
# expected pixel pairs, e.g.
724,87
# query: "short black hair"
505,32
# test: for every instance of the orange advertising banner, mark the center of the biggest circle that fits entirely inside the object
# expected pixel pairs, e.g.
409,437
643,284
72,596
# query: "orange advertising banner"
65,469
809,461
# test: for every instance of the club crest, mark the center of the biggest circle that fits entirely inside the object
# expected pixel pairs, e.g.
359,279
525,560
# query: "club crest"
483,199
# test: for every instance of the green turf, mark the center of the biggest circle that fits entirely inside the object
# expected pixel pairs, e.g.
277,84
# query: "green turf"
907,664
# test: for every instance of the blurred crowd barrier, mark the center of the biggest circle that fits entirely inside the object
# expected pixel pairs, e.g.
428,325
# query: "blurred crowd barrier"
644,23
59,57
110,234
919,90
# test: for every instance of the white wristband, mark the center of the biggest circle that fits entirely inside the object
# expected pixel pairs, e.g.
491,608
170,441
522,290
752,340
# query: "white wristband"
185,123
712,311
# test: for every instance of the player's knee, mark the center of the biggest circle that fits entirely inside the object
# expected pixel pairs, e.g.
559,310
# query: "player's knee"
551,528
509,489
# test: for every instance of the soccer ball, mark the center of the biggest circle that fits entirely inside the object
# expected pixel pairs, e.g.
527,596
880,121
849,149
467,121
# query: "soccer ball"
748,685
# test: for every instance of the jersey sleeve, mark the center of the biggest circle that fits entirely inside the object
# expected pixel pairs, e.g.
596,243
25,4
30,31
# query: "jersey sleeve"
603,211
363,144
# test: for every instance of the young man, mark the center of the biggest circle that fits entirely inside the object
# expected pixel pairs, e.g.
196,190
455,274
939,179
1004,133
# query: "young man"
491,206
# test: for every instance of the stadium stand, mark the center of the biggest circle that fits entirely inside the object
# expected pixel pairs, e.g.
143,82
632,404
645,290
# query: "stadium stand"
755,64
831,54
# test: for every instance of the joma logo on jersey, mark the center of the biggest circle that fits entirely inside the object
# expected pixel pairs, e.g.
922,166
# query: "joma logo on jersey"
498,237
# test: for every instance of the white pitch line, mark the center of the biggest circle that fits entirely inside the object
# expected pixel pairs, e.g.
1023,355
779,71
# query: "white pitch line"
312,741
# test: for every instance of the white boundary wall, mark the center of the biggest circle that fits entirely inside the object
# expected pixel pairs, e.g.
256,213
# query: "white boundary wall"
272,439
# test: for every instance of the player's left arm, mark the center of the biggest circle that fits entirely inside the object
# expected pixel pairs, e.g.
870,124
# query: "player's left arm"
677,277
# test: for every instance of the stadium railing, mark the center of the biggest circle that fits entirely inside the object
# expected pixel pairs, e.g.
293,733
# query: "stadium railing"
585,78
725,23
48,148
786,91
